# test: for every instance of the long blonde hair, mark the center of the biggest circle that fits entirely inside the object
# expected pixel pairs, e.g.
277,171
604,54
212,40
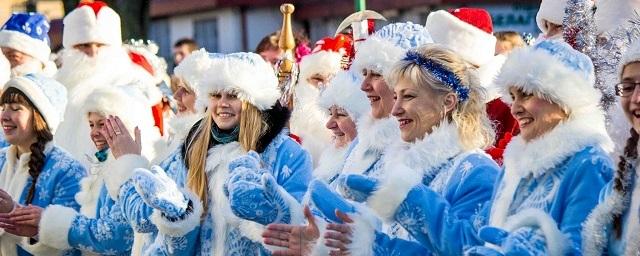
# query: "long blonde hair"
470,117
252,127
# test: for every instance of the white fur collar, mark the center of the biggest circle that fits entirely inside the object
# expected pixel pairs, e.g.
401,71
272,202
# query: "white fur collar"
432,151
537,156
217,170
330,163
374,137
377,134
179,126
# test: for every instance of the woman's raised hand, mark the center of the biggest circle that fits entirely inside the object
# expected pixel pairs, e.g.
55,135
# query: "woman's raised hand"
119,138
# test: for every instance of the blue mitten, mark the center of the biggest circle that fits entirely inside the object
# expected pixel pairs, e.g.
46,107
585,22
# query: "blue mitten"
357,187
245,168
250,161
160,192
523,241
262,202
327,201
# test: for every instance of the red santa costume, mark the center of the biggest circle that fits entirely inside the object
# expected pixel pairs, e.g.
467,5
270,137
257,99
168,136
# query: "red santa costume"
329,56
468,32
112,65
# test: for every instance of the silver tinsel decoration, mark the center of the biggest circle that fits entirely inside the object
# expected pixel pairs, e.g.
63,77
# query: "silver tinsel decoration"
579,30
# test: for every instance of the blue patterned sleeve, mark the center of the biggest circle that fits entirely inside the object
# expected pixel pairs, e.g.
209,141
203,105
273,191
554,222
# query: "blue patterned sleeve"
68,184
110,234
446,224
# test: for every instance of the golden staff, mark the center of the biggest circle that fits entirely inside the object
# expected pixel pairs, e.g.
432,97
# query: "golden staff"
287,68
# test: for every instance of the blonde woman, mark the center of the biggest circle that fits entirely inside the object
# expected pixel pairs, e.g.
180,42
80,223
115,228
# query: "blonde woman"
438,177
205,203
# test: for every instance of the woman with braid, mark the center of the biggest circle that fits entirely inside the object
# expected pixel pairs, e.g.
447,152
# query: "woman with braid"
33,171
613,226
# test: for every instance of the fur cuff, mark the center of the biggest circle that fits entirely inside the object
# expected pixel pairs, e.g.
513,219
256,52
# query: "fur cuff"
392,191
320,249
180,227
121,171
363,230
556,240
55,223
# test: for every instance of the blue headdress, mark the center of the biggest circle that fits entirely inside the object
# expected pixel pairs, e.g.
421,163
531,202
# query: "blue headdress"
441,73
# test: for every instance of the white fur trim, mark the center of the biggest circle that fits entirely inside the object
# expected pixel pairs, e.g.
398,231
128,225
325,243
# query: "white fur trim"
549,78
374,136
556,240
24,43
393,190
319,248
594,235
180,227
51,113
403,168
247,74
363,233
325,63
473,44
82,25
552,11
632,54
330,163
344,92
611,14
121,172
55,223
581,130
87,197
377,54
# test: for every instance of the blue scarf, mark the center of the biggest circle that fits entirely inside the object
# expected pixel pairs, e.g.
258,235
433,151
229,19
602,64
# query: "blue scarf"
224,137
102,155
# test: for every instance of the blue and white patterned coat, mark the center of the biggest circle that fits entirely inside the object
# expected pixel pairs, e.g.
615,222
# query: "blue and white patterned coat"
435,190
286,161
599,237
98,228
547,187
57,183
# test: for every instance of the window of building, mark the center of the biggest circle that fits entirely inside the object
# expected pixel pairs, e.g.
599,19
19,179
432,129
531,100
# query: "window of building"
206,33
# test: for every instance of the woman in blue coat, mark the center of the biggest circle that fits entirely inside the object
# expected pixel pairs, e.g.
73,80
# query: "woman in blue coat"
34,170
200,201
438,178
99,227
613,226
552,169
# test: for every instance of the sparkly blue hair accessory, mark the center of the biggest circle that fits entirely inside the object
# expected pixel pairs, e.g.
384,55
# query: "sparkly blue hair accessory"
441,73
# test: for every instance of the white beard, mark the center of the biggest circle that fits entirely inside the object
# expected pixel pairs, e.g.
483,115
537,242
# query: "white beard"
77,67
32,66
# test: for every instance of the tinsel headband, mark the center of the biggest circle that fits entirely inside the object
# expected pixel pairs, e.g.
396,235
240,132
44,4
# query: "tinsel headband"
441,73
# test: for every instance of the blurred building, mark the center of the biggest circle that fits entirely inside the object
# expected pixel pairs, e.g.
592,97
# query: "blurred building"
238,25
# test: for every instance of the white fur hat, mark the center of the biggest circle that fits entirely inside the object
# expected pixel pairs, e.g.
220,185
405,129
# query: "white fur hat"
344,91
631,55
326,63
119,101
48,96
552,11
553,70
612,14
247,74
28,33
92,22
388,45
460,30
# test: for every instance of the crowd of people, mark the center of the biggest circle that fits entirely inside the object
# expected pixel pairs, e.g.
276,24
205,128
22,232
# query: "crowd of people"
442,139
